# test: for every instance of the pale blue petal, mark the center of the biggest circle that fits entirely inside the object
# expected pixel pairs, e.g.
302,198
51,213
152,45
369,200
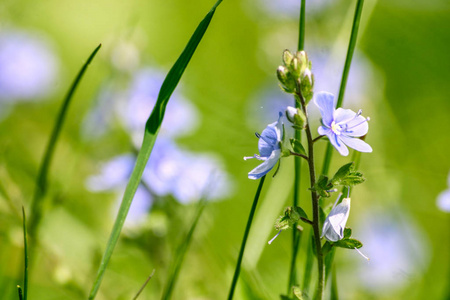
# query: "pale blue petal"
325,103
357,144
324,130
279,127
443,201
342,116
336,221
337,143
357,127
267,141
266,166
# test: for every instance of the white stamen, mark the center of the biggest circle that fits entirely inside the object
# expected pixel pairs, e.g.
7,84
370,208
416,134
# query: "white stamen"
360,253
250,157
338,197
276,235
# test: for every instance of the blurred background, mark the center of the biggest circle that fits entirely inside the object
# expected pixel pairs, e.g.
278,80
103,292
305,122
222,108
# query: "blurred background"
399,77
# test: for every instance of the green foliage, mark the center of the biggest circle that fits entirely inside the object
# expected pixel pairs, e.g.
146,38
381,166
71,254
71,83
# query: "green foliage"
348,244
151,132
347,176
290,217
297,146
323,186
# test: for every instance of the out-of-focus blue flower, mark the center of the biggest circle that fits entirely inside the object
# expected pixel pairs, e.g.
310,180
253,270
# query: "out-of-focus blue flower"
334,225
342,126
28,66
290,8
397,251
181,117
443,200
269,146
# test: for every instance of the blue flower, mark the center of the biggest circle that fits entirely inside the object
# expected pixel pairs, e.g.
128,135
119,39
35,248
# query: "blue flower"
342,126
334,225
269,146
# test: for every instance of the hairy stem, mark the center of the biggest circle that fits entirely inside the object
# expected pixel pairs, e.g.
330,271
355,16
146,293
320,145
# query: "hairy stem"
315,202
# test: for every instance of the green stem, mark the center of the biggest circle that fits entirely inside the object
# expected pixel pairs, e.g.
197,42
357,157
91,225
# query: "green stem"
345,72
244,240
315,203
41,182
183,247
296,235
308,265
25,247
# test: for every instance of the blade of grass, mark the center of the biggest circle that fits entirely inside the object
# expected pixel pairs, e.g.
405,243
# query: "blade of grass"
41,181
348,62
244,240
181,252
151,131
25,247
19,291
144,285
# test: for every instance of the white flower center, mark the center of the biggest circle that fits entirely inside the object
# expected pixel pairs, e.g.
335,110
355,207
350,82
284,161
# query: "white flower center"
336,128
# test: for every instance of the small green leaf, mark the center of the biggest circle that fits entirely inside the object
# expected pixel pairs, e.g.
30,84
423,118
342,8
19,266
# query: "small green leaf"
326,248
297,292
347,233
348,244
284,297
291,216
297,146
341,173
322,186
353,178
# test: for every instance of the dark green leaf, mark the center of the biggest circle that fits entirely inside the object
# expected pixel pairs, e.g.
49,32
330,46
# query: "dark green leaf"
326,248
349,244
297,147
284,297
347,233
341,173
297,292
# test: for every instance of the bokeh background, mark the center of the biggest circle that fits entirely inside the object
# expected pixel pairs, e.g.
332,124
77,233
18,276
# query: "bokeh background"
399,77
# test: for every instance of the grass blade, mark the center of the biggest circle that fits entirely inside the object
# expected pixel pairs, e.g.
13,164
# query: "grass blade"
41,182
25,247
244,240
181,252
151,131
144,285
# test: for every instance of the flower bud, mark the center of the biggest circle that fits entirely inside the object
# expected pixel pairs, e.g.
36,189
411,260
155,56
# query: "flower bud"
288,84
307,85
296,117
287,57
334,225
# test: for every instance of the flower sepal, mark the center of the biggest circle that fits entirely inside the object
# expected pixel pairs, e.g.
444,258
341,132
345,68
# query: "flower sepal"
290,217
297,117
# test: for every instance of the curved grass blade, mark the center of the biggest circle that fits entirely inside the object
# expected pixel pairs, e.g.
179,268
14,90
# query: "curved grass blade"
25,247
348,62
244,239
181,252
151,132
144,285
41,182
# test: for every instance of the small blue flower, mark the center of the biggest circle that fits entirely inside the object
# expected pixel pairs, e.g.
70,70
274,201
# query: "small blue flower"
334,225
342,126
269,146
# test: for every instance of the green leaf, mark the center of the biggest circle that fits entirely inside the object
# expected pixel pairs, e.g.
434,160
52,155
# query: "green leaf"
41,181
326,248
290,217
348,244
353,178
322,186
151,131
297,146
297,292
341,173
284,297
347,233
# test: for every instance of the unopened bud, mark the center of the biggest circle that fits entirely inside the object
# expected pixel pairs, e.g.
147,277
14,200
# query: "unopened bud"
287,57
296,117
287,83
307,85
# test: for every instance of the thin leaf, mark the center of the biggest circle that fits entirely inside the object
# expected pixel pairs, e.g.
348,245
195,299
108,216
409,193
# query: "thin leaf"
41,181
144,285
151,131
181,252
25,247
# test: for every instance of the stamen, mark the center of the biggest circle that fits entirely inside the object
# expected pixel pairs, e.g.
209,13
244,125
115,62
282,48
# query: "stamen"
365,120
360,253
348,192
337,199
250,157
332,191
270,242
257,135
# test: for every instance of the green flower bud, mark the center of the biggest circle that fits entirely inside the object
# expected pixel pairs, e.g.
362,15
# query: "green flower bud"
287,82
296,117
307,85
287,57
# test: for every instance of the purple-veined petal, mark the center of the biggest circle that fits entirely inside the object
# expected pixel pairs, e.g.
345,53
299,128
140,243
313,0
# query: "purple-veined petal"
325,102
267,141
266,166
357,127
443,201
357,144
324,130
279,127
342,116
337,143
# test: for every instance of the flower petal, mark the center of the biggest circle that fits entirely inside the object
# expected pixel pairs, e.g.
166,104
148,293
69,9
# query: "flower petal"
342,116
337,143
355,143
324,130
266,166
443,201
267,141
334,225
325,102
357,127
